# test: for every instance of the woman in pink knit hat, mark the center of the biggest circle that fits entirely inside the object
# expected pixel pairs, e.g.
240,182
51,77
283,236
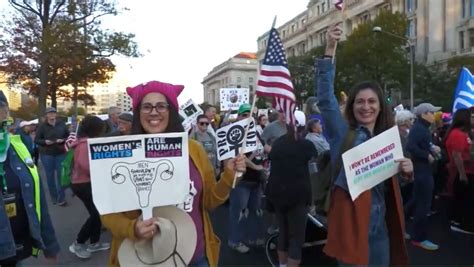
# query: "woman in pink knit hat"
155,109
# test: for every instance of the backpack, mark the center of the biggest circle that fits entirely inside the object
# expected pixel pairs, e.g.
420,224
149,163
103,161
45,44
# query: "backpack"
322,182
66,168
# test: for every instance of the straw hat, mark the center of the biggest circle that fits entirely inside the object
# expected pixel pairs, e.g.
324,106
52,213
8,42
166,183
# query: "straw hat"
174,245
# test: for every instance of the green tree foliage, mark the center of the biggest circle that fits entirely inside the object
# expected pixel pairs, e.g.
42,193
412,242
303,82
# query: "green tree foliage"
48,44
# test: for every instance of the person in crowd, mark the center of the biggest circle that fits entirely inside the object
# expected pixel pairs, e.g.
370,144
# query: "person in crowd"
422,152
274,130
262,121
245,210
315,135
155,109
369,230
25,224
112,121
124,124
50,138
90,127
24,130
207,140
458,146
289,191
210,112
404,120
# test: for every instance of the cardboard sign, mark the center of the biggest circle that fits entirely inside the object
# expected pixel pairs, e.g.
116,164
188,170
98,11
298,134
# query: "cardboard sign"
189,111
372,162
231,137
139,171
232,98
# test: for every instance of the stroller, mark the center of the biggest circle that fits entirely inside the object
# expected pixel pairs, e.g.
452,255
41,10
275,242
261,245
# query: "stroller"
315,240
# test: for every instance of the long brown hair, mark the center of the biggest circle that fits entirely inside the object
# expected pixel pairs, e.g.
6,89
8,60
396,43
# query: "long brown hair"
384,119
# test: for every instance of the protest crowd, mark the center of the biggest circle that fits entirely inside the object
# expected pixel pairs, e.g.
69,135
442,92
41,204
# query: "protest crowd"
293,174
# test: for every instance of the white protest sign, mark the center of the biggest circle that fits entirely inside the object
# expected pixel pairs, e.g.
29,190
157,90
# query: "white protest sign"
372,162
189,111
232,98
139,171
231,137
398,108
262,112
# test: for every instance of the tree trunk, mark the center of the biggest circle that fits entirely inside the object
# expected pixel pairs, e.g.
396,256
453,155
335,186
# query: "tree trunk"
43,88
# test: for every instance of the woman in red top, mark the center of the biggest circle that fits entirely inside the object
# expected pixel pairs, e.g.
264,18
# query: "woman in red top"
461,182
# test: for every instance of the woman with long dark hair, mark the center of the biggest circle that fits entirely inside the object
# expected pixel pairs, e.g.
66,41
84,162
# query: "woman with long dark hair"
289,191
90,127
458,144
155,110
368,230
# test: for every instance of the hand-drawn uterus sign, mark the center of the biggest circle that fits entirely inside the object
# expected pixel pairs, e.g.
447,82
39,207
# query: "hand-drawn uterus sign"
139,171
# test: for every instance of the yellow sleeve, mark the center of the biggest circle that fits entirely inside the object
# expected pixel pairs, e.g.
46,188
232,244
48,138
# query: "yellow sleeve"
120,225
215,193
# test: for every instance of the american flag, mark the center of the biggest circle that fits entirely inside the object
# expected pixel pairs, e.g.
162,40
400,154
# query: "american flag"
339,4
275,79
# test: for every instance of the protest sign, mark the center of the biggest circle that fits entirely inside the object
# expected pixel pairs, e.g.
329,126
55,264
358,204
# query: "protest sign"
232,98
398,108
262,112
189,111
372,162
139,171
231,137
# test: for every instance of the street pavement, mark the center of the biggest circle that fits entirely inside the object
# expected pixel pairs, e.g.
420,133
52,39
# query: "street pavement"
455,249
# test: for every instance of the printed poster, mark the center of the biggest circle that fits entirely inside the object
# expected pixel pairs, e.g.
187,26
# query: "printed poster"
231,138
372,162
139,171
232,98
189,111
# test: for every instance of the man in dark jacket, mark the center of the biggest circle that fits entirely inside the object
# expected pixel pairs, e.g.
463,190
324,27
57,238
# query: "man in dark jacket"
50,138
421,149
124,125
112,121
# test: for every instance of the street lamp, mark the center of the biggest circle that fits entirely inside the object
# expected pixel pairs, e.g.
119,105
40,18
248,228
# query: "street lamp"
378,29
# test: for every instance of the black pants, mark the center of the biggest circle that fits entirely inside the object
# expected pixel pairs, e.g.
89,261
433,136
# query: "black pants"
292,225
462,208
91,229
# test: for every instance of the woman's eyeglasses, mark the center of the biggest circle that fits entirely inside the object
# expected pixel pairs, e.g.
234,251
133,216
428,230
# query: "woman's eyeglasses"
159,107
204,123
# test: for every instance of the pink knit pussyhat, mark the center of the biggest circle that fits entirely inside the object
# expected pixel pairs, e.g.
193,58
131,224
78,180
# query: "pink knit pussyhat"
170,91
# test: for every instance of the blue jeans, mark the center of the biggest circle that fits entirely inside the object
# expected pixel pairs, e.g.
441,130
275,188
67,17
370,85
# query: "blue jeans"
420,204
52,167
202,262
245,213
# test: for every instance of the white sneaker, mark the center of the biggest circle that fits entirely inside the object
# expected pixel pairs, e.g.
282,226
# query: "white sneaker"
460,230
98,247
80,250
241,248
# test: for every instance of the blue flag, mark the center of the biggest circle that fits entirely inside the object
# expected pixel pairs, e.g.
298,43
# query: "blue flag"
464,95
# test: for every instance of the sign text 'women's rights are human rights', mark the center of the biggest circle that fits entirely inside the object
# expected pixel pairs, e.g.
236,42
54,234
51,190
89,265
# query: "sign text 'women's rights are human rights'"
139,171
372,162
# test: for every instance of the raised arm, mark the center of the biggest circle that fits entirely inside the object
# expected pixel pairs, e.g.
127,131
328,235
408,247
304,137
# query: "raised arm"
334,124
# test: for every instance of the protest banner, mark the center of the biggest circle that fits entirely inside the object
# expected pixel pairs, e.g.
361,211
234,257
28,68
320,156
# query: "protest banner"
262,112
232,98
231,137
372,162
139,171
189,111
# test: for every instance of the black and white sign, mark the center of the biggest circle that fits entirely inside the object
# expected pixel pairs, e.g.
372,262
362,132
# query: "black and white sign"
230,139
232,98
189,111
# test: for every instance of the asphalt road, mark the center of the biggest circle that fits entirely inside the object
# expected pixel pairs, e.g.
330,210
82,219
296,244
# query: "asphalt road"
455,249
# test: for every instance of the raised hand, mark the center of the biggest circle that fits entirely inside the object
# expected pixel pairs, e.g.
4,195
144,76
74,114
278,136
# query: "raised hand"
333,36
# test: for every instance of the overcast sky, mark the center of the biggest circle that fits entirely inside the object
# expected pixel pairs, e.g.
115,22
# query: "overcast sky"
182,40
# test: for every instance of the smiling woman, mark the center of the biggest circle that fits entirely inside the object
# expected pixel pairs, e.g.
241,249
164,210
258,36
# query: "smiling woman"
368,230
155,109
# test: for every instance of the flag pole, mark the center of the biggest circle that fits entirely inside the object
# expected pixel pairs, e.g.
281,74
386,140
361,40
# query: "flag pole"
244,143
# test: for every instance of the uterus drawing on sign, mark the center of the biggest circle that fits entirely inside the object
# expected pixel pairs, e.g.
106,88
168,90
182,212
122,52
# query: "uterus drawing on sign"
143,175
